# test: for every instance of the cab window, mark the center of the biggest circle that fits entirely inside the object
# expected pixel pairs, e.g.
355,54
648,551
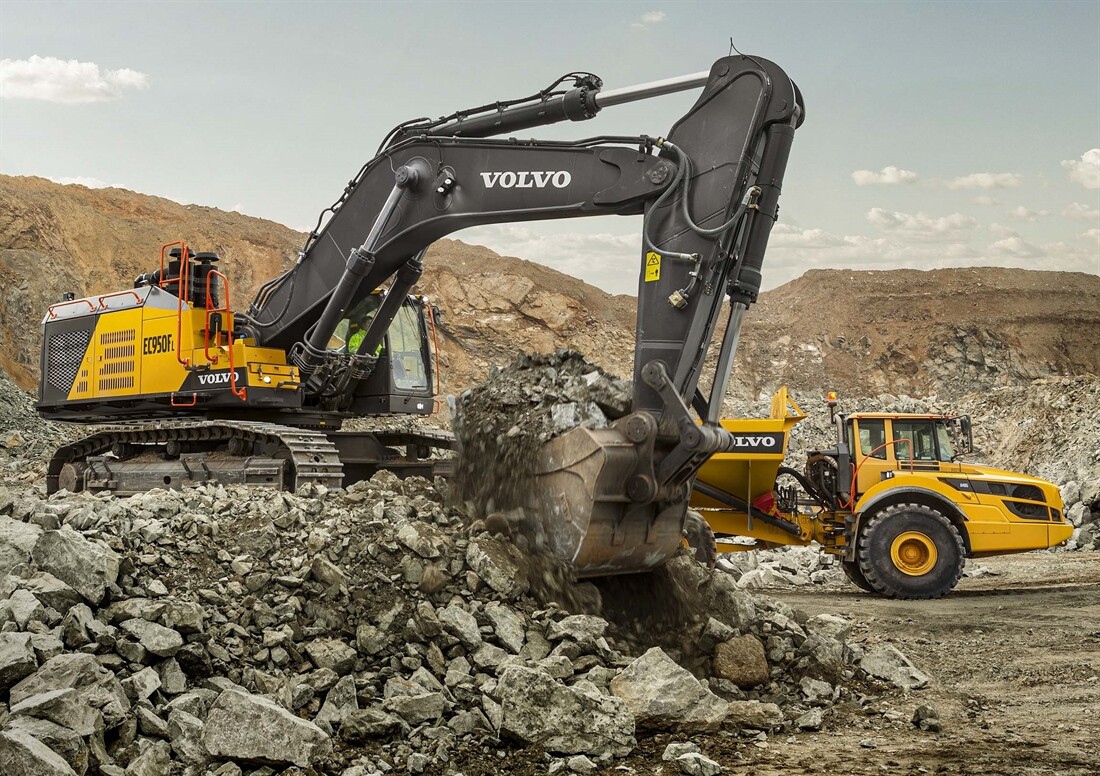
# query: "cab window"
943,436
919,440
406,353
872,435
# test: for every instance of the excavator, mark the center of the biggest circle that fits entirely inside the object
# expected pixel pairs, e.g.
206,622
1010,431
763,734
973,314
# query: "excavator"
195,392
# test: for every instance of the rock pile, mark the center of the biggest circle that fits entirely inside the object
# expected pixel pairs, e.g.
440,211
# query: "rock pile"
26,441
501,424
225,630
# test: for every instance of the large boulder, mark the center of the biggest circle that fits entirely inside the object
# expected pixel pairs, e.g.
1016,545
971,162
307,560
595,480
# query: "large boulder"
17,658
536,709
17,539
21,754
742,661
253,729
95,686
87,567
663,696
885,662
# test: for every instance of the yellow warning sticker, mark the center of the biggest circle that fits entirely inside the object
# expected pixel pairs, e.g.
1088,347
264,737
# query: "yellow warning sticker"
652,267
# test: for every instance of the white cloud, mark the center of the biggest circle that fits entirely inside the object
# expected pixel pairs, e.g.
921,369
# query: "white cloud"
1091,234
65,81
238,208
1027,214
987,180
889,175
649,18
985,199
1015,247
1079,211
1085,170
922,227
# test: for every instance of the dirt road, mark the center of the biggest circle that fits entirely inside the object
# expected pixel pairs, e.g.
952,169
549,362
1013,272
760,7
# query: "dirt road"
1016,664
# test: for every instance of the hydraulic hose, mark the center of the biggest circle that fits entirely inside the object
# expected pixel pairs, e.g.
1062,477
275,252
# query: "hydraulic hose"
736,503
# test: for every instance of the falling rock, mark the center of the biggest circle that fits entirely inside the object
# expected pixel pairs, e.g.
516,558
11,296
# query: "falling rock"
61,740
253,729
742,661
17,658
156,639
87,567
95,685
663,696
536,709
885,662
21,754
17,539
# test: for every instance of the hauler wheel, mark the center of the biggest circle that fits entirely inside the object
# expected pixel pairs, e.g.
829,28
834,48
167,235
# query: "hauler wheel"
699,536
855,576
910,551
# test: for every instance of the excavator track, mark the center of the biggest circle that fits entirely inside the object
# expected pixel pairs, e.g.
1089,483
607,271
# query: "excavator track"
127,459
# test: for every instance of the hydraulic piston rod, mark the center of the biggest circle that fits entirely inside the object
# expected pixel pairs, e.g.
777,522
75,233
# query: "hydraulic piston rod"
578,104
680,83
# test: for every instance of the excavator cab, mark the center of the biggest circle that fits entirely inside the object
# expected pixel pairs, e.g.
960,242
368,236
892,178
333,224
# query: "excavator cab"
405,379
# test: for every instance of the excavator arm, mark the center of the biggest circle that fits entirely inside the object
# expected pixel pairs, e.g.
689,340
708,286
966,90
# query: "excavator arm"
709,196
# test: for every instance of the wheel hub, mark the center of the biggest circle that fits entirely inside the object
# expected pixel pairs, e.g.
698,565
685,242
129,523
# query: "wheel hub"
913,553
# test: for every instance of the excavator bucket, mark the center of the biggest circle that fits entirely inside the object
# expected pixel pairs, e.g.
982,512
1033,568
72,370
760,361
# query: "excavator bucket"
579,495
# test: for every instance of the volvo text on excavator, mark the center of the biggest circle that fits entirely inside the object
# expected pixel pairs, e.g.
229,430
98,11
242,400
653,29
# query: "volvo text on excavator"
199,393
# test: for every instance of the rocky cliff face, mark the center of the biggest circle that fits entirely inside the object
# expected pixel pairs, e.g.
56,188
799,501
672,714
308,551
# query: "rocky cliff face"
948,332
944,332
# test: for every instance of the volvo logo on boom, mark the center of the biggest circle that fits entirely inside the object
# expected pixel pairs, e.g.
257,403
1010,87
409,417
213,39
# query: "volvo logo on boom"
527,180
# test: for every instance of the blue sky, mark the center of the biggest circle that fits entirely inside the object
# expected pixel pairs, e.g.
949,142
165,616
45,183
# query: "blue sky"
937,134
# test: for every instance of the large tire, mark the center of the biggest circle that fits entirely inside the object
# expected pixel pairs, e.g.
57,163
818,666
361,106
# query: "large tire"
699,536
855,576
910,551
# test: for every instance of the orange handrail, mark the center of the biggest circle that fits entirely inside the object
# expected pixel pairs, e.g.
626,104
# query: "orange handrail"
181,293
102,304
241,393
192,403
50,309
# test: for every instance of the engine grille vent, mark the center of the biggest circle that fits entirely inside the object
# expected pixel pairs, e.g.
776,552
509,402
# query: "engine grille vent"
64,354
116,372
